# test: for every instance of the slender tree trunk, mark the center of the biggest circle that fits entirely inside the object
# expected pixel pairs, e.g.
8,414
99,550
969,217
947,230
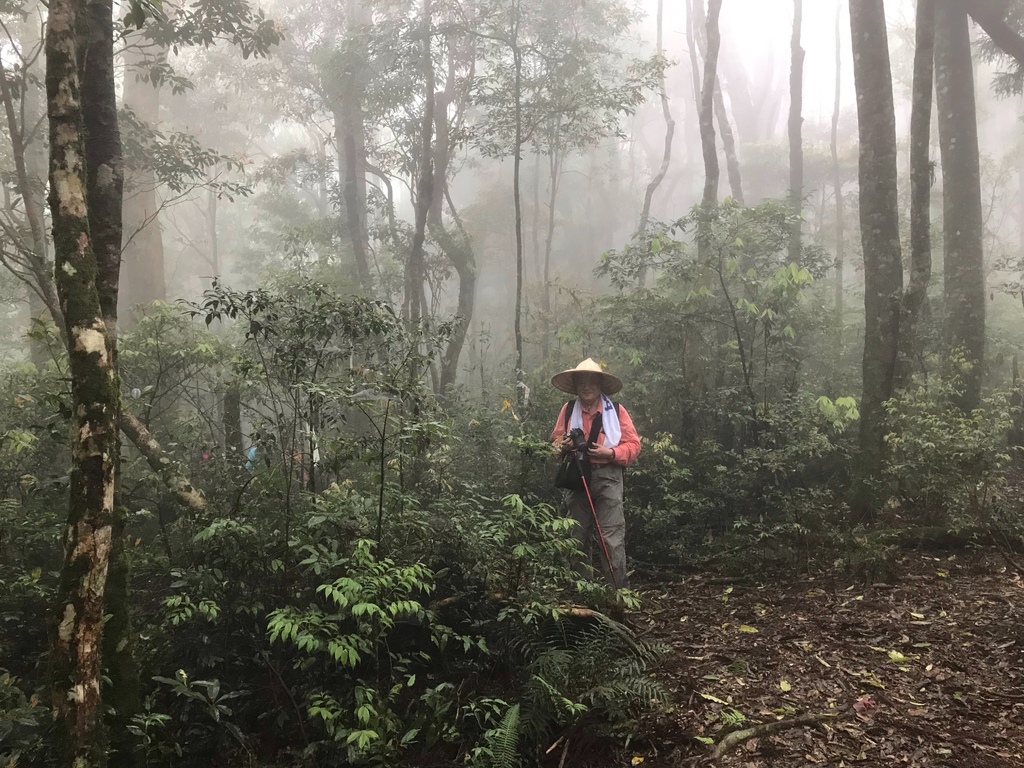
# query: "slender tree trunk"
670,129
707,97
691,121
879,229
460,252
415,271
796,151
75,655
915,301
732,159
535,221
963,227
517,60
732,163
457,247
737,86
28,151
837,179
143,267
554,179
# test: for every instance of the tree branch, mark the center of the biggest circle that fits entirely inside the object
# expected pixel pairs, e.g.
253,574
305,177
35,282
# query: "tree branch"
767,729
991,17
161,463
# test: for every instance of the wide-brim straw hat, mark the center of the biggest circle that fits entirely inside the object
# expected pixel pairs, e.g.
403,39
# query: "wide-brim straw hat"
564,380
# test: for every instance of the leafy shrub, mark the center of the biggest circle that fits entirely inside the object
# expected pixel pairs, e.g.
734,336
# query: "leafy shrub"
948,467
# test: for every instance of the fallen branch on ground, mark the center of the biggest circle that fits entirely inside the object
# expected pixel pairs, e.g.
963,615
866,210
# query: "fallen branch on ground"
767,729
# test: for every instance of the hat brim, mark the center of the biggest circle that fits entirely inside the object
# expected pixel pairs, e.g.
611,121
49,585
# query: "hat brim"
563,381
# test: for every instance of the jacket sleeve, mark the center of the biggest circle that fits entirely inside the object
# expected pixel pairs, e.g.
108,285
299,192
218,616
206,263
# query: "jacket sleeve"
628,448
559,430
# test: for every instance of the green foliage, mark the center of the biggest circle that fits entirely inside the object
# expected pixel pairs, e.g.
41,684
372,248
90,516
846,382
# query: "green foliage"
948,466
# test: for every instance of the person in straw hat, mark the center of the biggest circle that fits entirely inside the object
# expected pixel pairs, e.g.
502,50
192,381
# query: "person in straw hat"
616,445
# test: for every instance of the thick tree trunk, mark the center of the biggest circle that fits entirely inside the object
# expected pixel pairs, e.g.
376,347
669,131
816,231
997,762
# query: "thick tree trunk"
837,180
143,272
963,227
348,129
105,185
796,150
915,302
879,227
75,656
350,136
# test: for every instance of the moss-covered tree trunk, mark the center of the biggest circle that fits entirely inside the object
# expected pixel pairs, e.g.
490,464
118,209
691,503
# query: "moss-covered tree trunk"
963,224
122,696
75,654
879,230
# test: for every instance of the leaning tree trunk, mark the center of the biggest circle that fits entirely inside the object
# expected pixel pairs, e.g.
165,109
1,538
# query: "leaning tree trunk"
75,655
796,151
879,229
963,227
915,301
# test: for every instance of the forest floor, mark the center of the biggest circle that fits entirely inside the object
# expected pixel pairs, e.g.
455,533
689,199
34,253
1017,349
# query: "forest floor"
925,668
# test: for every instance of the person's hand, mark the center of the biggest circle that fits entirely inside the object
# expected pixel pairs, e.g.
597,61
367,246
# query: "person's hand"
600,453
563,447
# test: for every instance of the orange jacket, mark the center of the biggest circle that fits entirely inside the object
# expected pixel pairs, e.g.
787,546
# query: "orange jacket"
629,444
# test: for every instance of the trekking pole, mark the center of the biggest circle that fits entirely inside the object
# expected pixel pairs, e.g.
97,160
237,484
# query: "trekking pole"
597,525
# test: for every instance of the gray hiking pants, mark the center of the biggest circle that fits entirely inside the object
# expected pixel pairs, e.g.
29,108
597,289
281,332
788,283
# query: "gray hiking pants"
606,492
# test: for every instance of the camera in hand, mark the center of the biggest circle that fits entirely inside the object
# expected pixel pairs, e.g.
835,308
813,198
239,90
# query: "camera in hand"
580,446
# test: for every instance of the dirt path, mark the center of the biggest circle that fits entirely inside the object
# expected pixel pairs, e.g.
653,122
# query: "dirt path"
934,661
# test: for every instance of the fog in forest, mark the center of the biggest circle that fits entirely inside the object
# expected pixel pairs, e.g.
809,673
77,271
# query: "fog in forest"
511,383
250,173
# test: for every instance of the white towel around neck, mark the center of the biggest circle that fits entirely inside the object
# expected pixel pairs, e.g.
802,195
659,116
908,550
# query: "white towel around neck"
609,421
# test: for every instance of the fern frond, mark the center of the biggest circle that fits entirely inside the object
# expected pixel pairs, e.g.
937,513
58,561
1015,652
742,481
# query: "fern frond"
505,740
